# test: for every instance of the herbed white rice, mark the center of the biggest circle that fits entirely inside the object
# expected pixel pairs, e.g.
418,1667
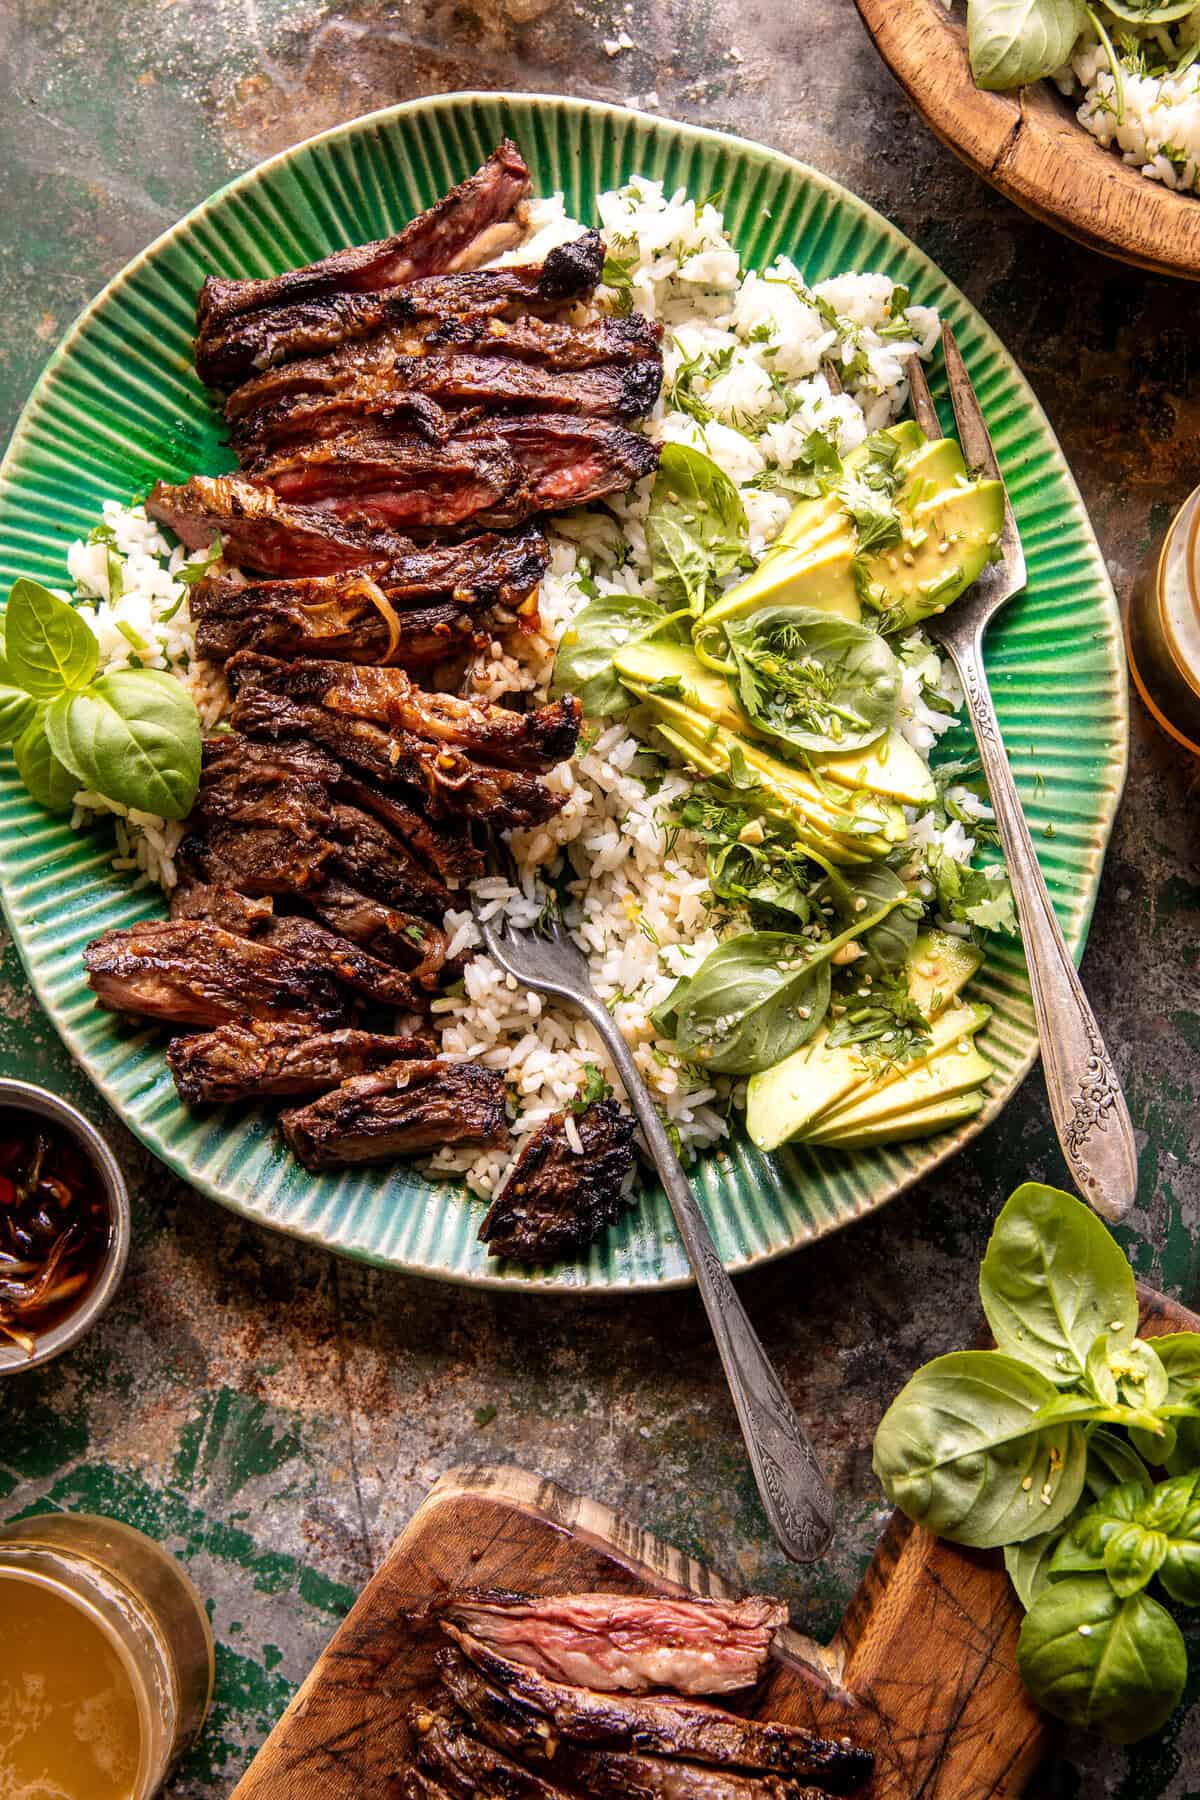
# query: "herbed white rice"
742,353
1153,120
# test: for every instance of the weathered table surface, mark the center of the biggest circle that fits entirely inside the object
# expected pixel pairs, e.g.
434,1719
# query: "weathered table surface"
275,1416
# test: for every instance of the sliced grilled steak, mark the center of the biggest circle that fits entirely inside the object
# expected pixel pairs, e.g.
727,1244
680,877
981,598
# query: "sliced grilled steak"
241,347
402,938
616,1775
400,480
627,1643
267,859
377,379
468,1767
193,973
573,461
314,947
196,896
459,232
260,785
450,782
534,741
658,1725
432,593
416,1784
384,865
264,1057
399,1111
548,342
259,531
556,1200
446,846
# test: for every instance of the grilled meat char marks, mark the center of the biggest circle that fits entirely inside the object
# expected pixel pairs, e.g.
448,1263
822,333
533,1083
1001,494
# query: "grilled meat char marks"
556,1200
468,1767
458,232
260,532
246,1061
627,1643
650,1725
192,973
232,349
398,1111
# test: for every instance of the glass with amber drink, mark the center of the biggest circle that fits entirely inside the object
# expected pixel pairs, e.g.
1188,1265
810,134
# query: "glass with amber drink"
1163,630
106,1660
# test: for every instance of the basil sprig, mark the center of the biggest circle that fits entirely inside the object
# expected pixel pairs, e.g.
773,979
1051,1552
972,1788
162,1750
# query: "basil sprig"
132,735
1045,1447
1012,42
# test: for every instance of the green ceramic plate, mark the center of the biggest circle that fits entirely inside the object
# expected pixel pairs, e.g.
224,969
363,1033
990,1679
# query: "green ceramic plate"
119,406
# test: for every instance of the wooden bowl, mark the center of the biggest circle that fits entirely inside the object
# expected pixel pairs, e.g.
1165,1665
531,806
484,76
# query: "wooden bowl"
1030,146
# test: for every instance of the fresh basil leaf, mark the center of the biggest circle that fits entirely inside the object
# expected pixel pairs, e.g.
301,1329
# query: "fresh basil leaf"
1096,1660
765,875
1028,1565
133,736
1179,1353
696,526
47,645
753,1000
1173,1510
960,1453
1132,1558
1150,12
583,664
1112,1462
813,680
1012,42
1053,1278
50,783
17,711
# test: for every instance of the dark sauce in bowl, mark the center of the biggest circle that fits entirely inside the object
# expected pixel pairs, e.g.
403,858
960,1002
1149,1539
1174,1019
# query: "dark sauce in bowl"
55,1226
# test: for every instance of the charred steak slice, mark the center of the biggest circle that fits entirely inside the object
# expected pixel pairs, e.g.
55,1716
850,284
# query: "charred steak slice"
352,628
399,1111
400,480
261,1057
557,1200
618,1775
449,781
372,858
232,350
196,895
402,938
627,1643
572,461
314,946
655,1725
267,859
469,1767
416,1784
446,846
193,973
384,380
549,342
534,741
458,232
260,531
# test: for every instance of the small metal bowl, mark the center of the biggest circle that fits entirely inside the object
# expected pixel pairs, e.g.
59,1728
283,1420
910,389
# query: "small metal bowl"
22,1096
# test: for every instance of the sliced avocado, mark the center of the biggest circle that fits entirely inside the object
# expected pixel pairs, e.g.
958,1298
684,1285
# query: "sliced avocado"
820,577
809,518
932,465
939,968
785,1102
922,1123
947,541
642,666
863,824
890,766
952,1071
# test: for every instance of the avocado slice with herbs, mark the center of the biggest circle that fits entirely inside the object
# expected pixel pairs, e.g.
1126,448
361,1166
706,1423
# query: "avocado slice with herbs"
948,540
814,1080
956,1070
820,576
650,667
924,1122
927,465
861,830
889,767
786,1101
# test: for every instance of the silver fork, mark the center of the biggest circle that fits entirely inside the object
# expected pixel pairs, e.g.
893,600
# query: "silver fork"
1086,1102
794,1491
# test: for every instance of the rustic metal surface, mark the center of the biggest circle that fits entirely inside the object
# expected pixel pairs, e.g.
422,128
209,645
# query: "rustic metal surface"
274,1416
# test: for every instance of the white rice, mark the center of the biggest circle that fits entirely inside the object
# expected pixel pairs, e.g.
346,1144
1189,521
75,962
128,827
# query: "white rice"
1154,122
748,348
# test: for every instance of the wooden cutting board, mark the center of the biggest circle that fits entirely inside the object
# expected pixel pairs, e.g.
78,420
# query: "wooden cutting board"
922,1671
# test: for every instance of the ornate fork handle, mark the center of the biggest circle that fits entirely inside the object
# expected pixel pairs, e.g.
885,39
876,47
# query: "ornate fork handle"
1086,1102
794,1491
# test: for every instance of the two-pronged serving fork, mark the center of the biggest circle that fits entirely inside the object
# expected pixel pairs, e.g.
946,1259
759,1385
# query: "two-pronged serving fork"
794,1492
1086,1101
